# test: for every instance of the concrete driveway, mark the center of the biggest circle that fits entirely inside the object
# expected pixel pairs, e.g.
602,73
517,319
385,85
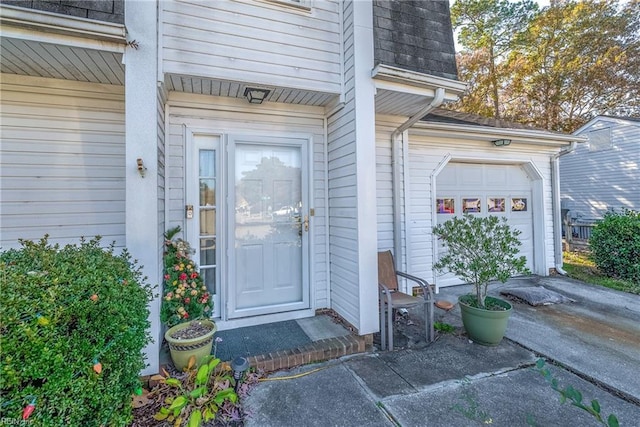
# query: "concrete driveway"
453,382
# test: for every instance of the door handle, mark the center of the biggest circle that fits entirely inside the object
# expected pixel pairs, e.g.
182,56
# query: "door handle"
306,223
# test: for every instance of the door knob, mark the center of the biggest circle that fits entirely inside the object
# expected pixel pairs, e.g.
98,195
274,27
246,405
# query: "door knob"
306,223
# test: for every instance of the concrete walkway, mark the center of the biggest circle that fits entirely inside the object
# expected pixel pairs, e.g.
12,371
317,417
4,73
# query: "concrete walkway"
454,382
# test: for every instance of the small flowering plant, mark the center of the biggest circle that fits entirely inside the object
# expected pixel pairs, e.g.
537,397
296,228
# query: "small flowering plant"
185,296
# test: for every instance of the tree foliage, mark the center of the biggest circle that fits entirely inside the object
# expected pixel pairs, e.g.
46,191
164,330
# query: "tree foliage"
487,30
553,68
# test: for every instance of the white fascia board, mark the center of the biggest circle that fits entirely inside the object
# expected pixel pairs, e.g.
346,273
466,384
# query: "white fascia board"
486,133
12,19
616,120
413,79
428,92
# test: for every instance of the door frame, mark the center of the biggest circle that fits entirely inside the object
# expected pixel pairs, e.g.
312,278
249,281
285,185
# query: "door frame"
305,143
226,259
191,227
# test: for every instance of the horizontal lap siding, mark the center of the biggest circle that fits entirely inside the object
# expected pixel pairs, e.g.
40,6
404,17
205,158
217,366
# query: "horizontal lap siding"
254,41
592,182
160,105
63,160
385,126
426,154
343,223
221,115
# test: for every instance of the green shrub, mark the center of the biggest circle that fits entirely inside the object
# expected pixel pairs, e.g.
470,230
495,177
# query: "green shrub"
64,311
615,245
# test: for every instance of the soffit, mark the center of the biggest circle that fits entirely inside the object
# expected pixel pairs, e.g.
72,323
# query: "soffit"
39,59
44,44
405,93
235,89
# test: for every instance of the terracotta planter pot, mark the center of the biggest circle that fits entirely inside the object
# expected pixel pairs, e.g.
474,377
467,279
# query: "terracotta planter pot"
182,349
486,327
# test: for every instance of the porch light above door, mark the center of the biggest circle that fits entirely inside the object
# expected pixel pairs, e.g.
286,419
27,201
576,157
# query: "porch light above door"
501,142
256,95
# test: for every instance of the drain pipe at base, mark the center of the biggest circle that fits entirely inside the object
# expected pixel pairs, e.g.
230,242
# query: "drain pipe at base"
397,153
555,199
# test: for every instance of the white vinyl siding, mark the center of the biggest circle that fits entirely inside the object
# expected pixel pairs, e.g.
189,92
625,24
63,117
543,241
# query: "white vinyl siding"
253,41
594,181
62,166
231,116
343,223
385,125
161,104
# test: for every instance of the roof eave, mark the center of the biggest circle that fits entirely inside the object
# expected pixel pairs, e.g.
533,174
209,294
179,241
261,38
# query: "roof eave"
63,25
415,79
486,133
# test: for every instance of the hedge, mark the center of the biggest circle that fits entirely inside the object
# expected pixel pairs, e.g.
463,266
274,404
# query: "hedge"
615,245
73,326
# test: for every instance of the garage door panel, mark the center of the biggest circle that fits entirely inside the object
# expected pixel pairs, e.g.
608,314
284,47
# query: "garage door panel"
495,176
470,174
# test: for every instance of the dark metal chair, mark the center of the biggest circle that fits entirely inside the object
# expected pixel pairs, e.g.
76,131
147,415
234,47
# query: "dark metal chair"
392,299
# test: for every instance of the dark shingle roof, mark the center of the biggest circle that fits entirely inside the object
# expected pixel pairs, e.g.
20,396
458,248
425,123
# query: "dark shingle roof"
440,115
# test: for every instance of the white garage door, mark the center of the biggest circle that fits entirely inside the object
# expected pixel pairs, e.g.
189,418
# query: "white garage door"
483,190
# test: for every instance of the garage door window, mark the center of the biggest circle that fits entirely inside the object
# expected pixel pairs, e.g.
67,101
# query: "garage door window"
446,206
496,204
519,204
471,205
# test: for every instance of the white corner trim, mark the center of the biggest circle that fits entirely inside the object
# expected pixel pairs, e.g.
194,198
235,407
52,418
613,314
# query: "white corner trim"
62,24
434,217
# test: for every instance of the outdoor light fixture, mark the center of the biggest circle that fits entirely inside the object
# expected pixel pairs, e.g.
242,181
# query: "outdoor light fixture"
501,142
239,365
256,95
142,169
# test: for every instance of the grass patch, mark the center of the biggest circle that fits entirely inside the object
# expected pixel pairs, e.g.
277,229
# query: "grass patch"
579,266
444,327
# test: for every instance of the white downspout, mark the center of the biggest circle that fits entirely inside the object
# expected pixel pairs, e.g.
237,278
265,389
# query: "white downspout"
397,154
555,200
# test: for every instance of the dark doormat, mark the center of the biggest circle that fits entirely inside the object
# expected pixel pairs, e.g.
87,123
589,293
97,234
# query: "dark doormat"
261,339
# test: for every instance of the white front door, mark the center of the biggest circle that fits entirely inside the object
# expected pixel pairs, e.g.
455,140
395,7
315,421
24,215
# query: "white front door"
268,227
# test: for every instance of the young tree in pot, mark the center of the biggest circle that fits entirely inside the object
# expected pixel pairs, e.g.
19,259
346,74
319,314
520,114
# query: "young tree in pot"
481,250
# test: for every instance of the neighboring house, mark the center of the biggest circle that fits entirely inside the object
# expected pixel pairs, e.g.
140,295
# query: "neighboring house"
142,115
604,173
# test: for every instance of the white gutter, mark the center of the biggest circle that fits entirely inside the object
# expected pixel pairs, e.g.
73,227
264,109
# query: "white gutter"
383,72
555,202
489,133
398,153
62,24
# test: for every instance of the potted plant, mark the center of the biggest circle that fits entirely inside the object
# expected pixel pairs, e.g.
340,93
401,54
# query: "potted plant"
186,304
481,250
